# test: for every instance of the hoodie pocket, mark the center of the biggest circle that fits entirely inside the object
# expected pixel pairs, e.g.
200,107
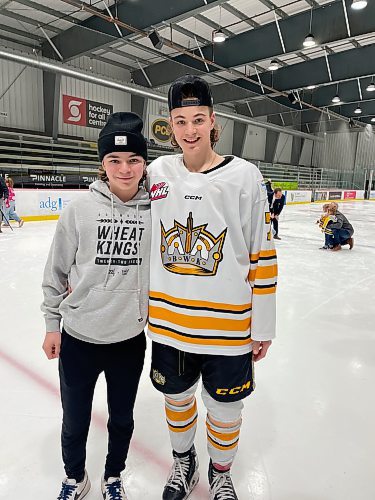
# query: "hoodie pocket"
108,315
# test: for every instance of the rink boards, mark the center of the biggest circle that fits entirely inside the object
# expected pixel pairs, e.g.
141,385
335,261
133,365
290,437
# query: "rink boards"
44,204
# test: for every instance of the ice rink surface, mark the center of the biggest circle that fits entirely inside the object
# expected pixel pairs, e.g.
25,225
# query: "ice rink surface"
308,430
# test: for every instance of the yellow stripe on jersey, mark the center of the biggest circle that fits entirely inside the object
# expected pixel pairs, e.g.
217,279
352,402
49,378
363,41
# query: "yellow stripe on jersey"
199,322
200,304
264,291
160,330
263,272
263,254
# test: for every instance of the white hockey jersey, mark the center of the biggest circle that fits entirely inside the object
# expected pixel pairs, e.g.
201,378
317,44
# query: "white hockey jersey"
213,262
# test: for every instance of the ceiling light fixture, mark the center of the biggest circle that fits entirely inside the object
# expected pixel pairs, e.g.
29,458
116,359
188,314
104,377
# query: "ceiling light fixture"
336,99
373,119
219,36
371,87
309,41
359,4
358,110
274,65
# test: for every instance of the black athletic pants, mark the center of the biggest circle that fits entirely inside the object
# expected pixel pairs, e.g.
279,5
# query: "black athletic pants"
275,224
80,364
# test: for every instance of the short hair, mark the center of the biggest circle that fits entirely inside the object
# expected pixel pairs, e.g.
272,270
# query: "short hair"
277,190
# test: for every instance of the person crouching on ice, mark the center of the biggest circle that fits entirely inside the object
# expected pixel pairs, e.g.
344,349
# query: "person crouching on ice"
342,230
212,288
100,253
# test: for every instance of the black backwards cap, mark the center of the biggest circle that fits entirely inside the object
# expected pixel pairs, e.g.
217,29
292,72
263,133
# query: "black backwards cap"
122,133
189,85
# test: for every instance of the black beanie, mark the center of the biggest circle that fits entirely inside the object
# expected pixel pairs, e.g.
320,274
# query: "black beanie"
122,133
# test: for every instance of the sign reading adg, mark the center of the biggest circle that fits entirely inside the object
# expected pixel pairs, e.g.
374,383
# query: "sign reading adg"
77,111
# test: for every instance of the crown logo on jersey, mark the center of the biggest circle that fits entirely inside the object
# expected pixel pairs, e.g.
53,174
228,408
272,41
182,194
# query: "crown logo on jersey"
191,250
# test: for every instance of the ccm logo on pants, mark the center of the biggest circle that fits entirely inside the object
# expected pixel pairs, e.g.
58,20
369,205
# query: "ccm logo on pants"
234,390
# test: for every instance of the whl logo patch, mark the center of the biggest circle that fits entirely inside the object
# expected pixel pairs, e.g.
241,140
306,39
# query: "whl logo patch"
159,191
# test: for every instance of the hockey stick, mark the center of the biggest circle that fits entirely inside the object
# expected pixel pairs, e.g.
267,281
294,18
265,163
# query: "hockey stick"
6,220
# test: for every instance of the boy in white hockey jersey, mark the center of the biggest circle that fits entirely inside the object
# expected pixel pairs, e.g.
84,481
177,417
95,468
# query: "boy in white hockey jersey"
212,290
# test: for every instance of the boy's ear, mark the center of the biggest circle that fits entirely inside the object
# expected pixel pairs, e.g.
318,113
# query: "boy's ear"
213,119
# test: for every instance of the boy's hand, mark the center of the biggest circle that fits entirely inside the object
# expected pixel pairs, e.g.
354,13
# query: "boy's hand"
51,344
260,349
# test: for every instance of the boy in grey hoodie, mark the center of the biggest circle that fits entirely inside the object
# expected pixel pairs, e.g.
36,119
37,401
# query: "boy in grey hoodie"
96,281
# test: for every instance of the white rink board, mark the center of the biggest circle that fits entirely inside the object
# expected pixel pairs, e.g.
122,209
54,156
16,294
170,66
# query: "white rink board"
44,202
298,196
50,202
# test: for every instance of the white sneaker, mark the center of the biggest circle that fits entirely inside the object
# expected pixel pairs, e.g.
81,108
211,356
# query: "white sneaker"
71,490
113,489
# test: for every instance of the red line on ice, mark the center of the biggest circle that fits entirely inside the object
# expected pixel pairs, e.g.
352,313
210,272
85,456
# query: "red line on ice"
98,420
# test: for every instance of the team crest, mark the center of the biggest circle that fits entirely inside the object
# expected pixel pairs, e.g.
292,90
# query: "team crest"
159,191
191,250
158,377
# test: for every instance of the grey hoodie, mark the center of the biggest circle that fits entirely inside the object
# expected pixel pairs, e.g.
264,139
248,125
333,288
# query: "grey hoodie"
101,249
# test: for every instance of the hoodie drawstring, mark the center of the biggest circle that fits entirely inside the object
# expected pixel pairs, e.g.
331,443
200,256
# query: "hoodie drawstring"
140,319
112,241
138,232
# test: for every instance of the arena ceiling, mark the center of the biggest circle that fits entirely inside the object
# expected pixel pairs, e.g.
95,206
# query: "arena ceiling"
257,32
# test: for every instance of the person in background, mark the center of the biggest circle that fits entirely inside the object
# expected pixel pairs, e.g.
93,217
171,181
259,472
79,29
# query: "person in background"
342,230
96,280
269,188
10,205
4,193
276,208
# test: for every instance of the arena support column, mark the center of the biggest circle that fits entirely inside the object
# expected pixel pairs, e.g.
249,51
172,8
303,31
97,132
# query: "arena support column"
239,137
51,103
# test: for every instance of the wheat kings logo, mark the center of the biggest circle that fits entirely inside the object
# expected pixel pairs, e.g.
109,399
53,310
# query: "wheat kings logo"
191,250
122,245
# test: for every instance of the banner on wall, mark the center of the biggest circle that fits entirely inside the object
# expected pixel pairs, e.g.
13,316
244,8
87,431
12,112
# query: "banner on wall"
298,196
45,181
159,130
350,195
320,195
85,113
334,195
372,195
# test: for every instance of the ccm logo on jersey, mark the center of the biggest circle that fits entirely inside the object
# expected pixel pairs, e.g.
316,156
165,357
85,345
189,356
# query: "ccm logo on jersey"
234,390
159,191
191,197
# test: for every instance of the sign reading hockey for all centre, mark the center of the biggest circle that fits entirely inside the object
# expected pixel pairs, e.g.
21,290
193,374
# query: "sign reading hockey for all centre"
85,113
